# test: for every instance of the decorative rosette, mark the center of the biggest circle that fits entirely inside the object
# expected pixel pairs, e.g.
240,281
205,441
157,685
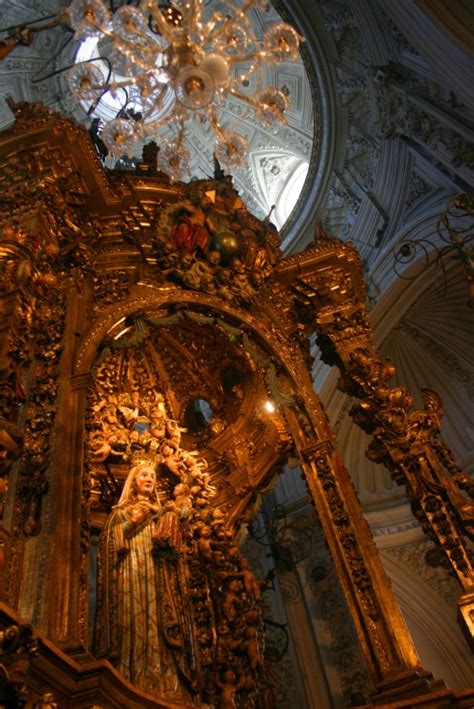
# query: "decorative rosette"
231,149
282,42
85,81
194,87
272,104
120,136
88,17
174,160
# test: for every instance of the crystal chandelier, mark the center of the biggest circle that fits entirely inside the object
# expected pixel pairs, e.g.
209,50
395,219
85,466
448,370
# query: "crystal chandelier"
179,60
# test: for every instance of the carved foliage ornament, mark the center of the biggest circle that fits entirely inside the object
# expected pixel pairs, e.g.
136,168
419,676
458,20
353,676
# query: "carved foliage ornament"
409,444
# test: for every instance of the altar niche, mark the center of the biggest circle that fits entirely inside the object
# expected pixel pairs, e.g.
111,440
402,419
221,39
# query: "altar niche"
173,604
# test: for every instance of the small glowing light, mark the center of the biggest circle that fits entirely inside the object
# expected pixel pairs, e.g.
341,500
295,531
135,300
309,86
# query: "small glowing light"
116,324
121,333
269,406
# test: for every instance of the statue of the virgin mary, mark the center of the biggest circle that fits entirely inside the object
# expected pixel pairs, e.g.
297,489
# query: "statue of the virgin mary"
177,606
142,624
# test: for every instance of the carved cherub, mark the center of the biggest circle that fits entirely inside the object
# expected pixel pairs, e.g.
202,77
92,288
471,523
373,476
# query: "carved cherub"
158,424
251,585
183,502
200,474
174,432
252,648
229,686
171,458
230,640
240,284
231,600
221,535
113,444
192,465
204,543
197,275
128,412
46,702
217,518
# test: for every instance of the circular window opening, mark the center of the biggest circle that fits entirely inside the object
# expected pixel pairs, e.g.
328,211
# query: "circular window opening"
197,415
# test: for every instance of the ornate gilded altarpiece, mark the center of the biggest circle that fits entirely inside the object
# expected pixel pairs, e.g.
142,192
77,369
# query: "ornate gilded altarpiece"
141,314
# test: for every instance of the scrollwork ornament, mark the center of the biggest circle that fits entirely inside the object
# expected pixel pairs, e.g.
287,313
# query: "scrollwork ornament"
409,444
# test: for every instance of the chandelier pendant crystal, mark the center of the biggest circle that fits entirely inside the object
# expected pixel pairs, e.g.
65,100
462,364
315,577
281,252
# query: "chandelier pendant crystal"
179,60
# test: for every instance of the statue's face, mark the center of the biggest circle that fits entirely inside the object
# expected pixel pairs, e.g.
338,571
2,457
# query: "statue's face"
145,481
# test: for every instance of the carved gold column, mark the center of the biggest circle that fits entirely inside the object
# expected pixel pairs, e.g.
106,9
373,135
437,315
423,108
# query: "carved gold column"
10,394
44,254
391,658
17,301
327,285
407,442
62,602
11,435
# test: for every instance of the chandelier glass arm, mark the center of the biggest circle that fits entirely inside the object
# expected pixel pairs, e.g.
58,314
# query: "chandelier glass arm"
154,126
239,15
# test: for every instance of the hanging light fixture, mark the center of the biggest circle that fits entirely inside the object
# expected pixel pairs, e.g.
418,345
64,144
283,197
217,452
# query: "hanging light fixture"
453,239
178,60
